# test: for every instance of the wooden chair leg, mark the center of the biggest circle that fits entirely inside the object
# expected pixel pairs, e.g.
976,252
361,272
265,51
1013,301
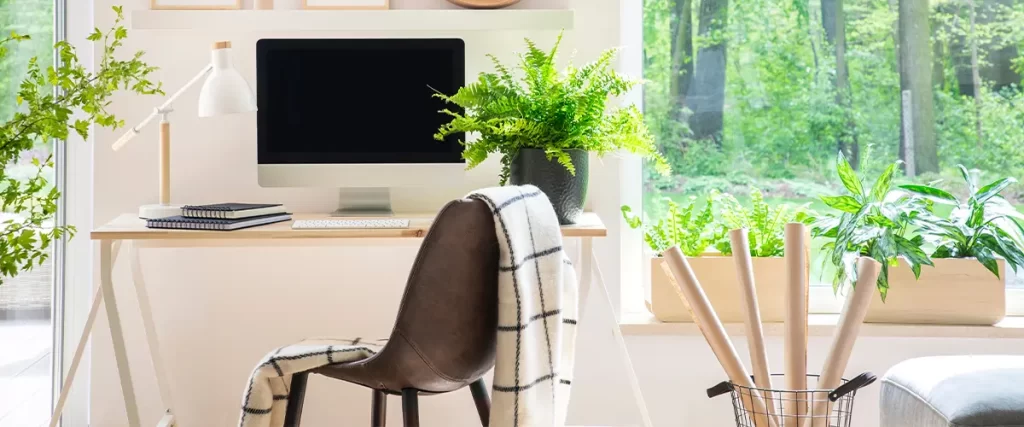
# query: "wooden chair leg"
410,408
296,397
483,402
379,413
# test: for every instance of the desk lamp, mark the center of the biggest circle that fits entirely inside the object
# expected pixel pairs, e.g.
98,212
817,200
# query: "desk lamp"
225,91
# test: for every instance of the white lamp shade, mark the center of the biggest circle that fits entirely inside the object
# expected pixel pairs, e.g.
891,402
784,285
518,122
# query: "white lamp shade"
225,90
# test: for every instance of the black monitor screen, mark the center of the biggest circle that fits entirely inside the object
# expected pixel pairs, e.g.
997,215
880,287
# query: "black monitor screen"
356,100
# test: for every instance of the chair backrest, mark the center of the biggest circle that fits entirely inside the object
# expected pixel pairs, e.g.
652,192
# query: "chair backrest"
449,313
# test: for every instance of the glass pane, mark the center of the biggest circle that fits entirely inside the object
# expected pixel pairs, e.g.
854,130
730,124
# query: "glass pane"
25,300
762,94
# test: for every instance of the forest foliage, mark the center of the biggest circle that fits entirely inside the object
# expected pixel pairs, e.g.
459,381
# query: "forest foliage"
798,87
33,17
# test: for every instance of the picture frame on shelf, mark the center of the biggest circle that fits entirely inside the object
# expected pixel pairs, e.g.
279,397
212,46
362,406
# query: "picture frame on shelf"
346,4
484,4
195,4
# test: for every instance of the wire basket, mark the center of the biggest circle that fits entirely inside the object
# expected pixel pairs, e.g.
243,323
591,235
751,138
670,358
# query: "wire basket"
793,407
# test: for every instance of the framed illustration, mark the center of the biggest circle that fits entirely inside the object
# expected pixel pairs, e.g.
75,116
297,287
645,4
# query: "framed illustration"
347,4
195,4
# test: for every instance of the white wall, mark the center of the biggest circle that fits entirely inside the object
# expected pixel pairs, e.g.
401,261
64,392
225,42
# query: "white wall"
218,310
676,371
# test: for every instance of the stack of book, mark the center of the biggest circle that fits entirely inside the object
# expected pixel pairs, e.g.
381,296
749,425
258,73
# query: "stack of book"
223,217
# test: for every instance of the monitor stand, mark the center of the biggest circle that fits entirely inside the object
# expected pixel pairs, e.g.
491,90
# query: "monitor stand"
365,202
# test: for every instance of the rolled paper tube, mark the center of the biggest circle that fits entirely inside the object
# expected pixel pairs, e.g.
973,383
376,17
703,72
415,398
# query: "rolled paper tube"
845,336
752,318
795,357
685,282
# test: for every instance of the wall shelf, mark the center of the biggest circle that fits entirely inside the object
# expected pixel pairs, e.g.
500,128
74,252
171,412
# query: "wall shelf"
363,20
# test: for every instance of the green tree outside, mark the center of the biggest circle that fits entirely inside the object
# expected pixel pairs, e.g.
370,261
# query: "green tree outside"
34,17
804,79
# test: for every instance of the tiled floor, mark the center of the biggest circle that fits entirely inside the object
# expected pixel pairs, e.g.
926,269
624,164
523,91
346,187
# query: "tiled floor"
25,350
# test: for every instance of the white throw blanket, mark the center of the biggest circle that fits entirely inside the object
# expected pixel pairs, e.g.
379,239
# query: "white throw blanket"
537,308
266,397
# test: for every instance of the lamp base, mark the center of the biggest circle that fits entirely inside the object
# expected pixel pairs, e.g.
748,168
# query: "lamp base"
159,211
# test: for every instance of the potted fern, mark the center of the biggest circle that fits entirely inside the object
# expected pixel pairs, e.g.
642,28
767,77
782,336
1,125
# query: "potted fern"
973,245
702,235
545,123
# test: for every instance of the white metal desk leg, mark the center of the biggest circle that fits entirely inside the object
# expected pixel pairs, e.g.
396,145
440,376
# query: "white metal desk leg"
117,333
586,272
97,300
150,329
592,269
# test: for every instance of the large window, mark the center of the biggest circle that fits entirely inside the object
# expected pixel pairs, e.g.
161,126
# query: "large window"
26,301
761,94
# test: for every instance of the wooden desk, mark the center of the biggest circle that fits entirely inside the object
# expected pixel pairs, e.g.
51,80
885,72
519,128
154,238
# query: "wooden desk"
129,228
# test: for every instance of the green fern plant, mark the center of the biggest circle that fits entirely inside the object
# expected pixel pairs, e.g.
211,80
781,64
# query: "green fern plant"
691,230
765,224
547,110
696,234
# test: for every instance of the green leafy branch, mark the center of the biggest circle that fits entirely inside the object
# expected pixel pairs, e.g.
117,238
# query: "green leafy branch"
24,242
48,99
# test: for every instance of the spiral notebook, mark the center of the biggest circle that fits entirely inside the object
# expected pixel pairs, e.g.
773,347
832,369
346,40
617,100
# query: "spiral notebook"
231,210
185,223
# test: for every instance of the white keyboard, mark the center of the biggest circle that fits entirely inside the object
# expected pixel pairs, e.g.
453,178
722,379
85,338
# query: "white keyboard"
346,224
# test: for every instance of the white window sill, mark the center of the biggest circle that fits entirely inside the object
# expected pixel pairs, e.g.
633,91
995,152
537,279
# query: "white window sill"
643,323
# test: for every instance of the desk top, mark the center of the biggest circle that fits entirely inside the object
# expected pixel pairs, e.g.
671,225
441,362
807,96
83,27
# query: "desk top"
130,227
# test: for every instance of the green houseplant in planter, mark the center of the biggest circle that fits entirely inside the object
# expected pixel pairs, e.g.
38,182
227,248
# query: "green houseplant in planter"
875,222
544,123
44,115
703,237
973,245
882,222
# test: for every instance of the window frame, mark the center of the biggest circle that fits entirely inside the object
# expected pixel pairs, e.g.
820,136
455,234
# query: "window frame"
634,253
822,299
1015,302
74,174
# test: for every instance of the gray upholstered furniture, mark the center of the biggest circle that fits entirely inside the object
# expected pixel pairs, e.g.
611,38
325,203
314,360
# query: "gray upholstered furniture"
954,391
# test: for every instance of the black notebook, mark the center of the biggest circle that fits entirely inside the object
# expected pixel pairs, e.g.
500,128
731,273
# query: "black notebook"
231,210
185,223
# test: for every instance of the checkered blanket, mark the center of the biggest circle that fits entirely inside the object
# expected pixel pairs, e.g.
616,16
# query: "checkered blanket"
265,402
537,307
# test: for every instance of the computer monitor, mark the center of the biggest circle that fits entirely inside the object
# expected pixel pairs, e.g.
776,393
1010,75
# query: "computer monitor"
357,114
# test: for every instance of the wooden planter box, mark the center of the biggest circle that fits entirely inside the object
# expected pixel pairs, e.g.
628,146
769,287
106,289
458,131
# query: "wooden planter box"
717,275
954,292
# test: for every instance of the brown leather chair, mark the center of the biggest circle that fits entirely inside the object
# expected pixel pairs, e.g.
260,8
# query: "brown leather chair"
445,336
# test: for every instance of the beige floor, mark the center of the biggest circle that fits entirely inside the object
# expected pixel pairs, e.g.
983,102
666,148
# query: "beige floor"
24,372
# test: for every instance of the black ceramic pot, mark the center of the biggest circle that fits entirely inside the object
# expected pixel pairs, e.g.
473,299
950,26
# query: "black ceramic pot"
566,191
